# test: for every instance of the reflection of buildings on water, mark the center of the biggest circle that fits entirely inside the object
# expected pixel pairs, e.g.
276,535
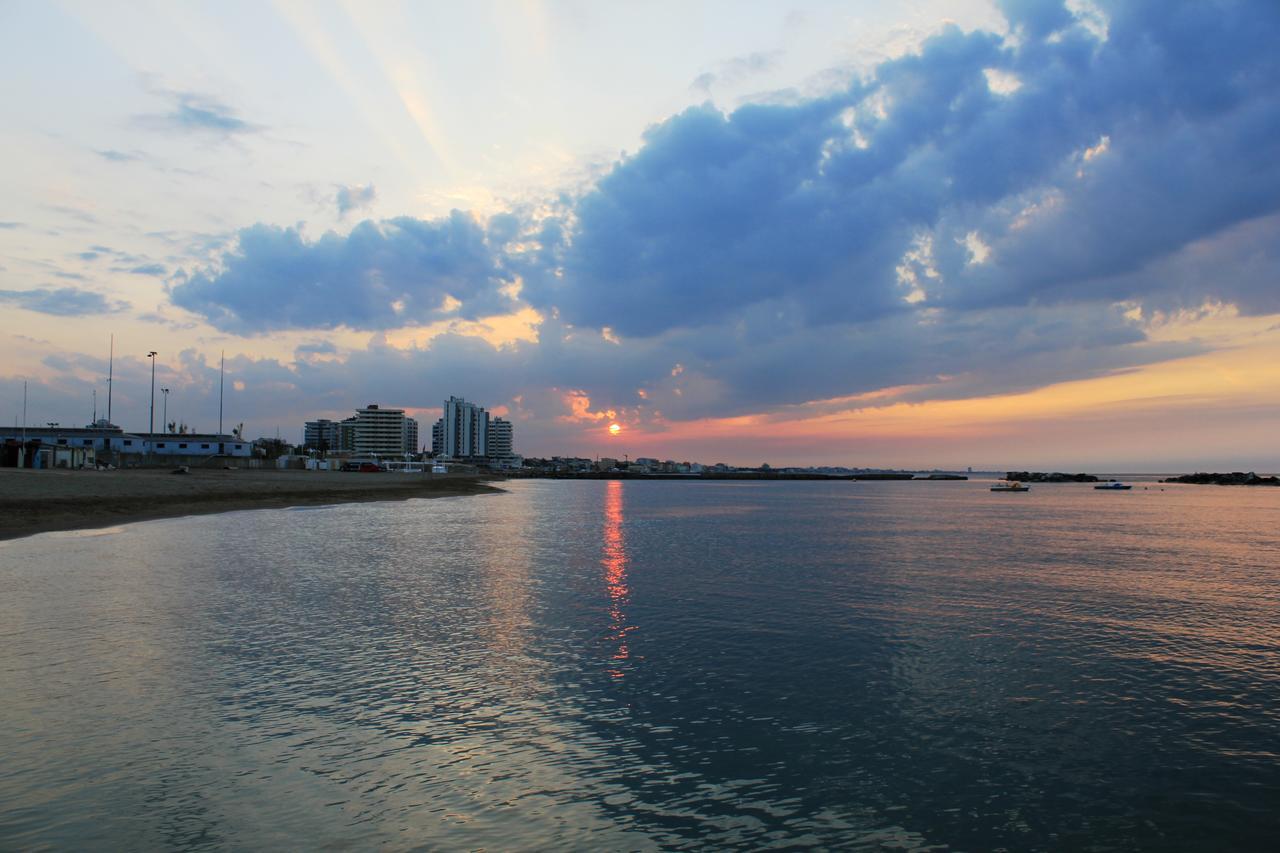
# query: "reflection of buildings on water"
615,574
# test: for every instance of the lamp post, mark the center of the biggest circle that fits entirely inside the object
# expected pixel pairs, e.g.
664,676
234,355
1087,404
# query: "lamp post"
165,420
151,427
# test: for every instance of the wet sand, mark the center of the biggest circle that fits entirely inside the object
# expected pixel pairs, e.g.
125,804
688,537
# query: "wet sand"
40,501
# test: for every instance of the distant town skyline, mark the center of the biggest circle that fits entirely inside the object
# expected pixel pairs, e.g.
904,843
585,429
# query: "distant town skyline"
1011,234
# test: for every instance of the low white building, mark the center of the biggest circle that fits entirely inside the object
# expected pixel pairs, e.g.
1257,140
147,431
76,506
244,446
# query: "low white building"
109,441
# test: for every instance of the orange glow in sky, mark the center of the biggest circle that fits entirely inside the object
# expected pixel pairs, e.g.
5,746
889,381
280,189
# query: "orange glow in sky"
614,429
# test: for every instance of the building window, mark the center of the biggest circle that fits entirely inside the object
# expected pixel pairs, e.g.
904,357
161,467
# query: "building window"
204,447
161,444
87,442
237,447
182,446
128,442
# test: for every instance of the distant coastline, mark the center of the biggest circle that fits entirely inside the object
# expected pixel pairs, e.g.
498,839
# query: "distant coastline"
728,475
43,501
1235,478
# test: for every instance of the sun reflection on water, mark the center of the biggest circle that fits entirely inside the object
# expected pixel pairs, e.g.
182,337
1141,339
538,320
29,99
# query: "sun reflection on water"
615,575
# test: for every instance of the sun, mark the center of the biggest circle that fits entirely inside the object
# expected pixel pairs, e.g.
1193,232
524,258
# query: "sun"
614,429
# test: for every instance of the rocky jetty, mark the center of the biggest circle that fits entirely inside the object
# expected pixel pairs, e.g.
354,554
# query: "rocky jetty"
1235,478
1055,477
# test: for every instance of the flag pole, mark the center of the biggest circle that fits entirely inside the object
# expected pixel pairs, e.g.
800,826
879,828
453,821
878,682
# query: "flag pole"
222,371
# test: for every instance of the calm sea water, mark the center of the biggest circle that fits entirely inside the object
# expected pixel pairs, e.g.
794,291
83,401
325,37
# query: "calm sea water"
623,665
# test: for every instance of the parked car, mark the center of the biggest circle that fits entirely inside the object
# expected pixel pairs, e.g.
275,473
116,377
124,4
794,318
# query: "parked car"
369,468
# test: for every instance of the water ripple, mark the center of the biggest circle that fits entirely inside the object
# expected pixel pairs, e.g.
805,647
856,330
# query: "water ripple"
609,665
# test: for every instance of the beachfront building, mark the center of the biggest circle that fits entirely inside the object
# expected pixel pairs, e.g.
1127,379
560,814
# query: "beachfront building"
196,446
411,435
464,430
321,435
383,432
468,432
500,441
110,443
347,433
437,438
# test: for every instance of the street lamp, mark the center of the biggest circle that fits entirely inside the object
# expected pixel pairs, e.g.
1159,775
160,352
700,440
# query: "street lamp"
151,427
165,420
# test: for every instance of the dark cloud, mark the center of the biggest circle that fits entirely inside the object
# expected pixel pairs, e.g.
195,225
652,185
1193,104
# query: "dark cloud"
62,301
974,218
158,270
382,275
349,198
1094,159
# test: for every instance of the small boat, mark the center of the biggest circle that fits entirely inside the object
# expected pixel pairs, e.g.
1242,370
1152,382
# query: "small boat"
1113,487
1011,487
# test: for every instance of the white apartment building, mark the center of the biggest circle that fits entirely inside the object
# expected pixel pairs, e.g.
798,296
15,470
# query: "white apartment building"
464,430
383,432
468,432
501,439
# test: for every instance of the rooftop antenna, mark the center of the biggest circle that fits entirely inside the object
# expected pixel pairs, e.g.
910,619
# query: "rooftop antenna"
221,375
111,362
95,406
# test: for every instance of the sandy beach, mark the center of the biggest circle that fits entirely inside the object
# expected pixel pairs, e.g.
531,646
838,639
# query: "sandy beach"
40,501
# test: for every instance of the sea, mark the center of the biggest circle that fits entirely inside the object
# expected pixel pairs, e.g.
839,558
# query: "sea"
628,665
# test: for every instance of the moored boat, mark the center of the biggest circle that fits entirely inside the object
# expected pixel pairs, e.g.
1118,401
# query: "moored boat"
1010,487
1113,487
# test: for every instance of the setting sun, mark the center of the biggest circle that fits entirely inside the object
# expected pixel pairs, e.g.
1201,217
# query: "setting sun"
614,429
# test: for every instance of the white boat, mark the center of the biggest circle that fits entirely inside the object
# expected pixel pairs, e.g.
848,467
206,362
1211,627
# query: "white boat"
1010,487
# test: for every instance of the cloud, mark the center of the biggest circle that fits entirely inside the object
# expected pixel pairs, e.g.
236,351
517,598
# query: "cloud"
9,226
158,270
62,301
315,348
381,275
354,197
734,71
816,204
194,112
119,156
972,218
74,213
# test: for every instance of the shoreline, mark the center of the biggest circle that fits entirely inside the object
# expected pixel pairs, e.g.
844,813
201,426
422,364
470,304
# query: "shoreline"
34,502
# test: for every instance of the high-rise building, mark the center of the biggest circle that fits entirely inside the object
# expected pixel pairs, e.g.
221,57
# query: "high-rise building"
465,430
500,440
321,435
437,438
411,435
386,432
347,433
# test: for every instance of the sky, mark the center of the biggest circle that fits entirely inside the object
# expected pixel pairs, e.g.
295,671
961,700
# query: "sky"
1006,235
